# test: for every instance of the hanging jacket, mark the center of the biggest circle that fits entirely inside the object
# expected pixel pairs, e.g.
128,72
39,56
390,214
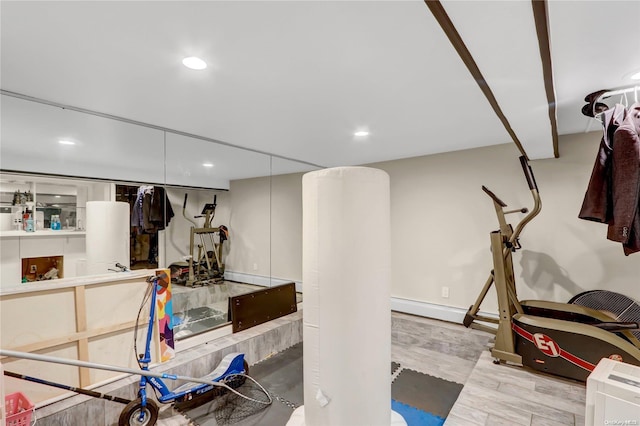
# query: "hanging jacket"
161,211
147,224
136,211
625,167
597,204
139,218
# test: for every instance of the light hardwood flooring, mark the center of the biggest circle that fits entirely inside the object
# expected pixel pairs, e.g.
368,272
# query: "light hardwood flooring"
493,395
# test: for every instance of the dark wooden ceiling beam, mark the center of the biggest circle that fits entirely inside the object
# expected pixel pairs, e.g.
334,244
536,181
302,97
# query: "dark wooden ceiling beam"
449,29
541,19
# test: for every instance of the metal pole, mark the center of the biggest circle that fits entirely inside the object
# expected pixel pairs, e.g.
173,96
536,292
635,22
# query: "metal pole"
76,363
70,388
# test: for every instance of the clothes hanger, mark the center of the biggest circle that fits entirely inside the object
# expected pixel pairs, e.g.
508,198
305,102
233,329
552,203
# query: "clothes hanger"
606,94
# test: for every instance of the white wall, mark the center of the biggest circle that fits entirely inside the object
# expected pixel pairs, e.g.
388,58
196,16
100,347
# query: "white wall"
567,254
441,220
440,227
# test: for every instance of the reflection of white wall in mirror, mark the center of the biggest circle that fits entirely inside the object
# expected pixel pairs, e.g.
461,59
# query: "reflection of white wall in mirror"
100,191
250,228
57,189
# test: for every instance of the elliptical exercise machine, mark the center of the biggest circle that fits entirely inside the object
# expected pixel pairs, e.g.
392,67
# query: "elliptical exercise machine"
206,266
557,338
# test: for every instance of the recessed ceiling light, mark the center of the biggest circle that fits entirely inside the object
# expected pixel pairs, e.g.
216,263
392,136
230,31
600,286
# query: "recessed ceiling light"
56,196
194,63
361,133
207,164
66,142
636,76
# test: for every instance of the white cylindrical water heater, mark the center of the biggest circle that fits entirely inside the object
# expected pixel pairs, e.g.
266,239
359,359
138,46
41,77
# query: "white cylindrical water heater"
107,236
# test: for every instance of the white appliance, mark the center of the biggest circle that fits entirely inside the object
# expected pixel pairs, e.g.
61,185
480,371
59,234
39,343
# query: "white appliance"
613,394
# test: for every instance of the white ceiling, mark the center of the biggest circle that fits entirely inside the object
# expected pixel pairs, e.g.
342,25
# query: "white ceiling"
297,78
595,46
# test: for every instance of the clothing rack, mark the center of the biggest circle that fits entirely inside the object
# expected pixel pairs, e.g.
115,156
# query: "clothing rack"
623,91
607,94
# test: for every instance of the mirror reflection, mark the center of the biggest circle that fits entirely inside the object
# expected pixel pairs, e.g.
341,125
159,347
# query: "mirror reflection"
224,221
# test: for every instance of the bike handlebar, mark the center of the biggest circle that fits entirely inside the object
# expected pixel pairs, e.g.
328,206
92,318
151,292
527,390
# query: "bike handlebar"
156,277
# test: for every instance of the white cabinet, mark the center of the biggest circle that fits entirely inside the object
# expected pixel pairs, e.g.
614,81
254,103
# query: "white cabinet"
10,261
18,245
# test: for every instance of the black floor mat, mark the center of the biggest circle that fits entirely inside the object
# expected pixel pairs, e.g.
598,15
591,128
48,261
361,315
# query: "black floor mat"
217,413
282,374
424,392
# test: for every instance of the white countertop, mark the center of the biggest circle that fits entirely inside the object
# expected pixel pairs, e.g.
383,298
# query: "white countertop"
42,233
75,281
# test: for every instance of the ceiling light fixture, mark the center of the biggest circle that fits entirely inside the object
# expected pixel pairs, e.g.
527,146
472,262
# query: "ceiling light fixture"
66,142
194,63
635,76
207,164
361,133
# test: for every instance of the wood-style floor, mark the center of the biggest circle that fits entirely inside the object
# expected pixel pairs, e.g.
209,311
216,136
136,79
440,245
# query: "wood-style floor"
493,395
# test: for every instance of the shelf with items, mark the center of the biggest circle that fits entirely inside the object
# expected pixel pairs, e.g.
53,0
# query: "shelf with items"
18,199
41,233
23,217
41,199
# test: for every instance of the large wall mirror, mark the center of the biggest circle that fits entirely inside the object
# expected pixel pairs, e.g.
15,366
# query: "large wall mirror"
58,165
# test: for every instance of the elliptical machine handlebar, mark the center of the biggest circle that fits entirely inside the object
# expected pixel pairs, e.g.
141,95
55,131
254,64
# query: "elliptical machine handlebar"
499,206
537,204
184,210
528,173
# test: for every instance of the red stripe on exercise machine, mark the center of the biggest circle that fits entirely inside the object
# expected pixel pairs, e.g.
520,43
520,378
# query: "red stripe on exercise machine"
576,360
567,356
522,332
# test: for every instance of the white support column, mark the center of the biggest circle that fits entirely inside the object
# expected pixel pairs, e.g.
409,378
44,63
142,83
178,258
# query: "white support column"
347,291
